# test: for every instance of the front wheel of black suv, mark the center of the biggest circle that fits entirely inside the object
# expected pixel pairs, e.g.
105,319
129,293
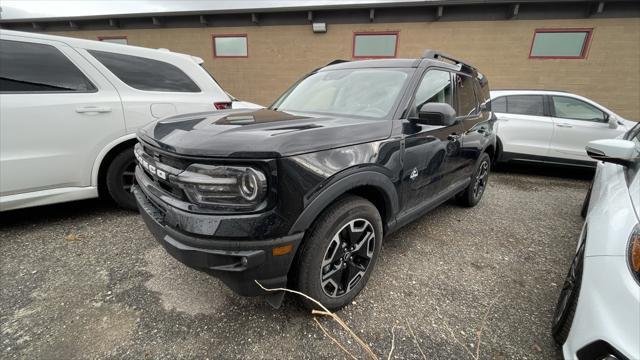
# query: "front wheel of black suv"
473,193
339,253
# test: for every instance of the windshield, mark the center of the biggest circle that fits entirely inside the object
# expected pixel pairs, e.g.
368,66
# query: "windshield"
357,92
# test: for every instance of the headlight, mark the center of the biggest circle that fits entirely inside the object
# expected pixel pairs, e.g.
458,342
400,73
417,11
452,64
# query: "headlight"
634,252
228,187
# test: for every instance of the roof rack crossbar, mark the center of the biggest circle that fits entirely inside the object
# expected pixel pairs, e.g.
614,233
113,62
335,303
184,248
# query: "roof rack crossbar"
436,55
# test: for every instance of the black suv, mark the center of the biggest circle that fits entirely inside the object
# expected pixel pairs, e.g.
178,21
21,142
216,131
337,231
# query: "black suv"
301,194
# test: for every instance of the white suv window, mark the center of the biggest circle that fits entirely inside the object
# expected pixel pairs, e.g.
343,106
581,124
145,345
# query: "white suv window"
29,67
525,105
146,74
570,108
519,104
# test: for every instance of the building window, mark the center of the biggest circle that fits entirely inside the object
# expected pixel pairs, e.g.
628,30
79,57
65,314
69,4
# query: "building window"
114,39
230,46
560,43
375,44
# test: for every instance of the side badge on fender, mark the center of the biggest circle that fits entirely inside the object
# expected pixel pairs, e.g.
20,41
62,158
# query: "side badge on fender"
414,174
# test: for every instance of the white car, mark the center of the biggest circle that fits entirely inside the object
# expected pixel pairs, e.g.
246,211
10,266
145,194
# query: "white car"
70,108
598,312
551,126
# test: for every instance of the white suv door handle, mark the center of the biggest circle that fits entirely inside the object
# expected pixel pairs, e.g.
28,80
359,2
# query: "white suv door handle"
564,125
93,109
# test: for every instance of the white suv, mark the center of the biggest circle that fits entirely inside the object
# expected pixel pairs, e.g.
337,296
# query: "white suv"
70,108
551,126
598,311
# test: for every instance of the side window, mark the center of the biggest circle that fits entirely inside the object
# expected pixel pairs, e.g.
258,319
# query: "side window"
525,105
29,67
467,102
499,105
146,74
482,90
570,108
434,87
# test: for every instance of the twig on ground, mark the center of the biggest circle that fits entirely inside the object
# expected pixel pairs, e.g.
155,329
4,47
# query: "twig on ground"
326,312
453,335
393,341
415,339
333,339
484,320
346,327
475,356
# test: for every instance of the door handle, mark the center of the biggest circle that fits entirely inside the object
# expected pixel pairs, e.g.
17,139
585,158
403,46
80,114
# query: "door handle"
93,109
564,125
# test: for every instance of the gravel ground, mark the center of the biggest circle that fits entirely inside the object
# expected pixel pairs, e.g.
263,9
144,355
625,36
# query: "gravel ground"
86,280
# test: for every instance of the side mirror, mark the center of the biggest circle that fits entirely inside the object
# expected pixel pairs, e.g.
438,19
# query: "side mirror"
616,151
436,114
613,122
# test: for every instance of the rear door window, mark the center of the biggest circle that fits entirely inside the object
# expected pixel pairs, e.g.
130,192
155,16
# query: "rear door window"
570,108
525,105
146,74
30,67
467,102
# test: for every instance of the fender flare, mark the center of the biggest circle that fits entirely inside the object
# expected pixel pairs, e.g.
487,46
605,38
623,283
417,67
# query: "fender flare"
343,185
103,153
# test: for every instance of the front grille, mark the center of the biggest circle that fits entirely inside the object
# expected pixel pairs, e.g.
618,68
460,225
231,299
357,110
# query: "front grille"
162,158
174,162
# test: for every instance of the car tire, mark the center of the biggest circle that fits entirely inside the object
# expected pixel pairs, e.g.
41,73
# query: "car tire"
473,193
568,299
339,253
120,177
585,203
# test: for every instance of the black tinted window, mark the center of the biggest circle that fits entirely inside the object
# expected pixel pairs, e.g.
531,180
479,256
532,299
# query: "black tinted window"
525,105
434,87
499,105
146,74
38,68
467,102
482,87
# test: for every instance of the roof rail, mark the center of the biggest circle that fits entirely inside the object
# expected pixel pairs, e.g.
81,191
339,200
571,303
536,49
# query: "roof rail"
437,55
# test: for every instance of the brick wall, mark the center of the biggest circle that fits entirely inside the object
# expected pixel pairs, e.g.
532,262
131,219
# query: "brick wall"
279,55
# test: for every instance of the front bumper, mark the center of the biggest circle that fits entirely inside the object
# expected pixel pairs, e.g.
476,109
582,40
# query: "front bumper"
607,318
238,263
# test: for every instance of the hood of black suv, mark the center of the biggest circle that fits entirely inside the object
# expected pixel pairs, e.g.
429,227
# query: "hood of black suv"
259,133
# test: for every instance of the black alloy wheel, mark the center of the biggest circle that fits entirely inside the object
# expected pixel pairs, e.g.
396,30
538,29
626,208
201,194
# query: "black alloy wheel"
347,257
479,180
338,253
482,175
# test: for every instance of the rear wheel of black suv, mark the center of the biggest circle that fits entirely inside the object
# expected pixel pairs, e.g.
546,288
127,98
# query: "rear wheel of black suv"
339,253
473,193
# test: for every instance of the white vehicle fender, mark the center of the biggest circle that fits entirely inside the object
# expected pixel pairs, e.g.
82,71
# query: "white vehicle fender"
96,164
